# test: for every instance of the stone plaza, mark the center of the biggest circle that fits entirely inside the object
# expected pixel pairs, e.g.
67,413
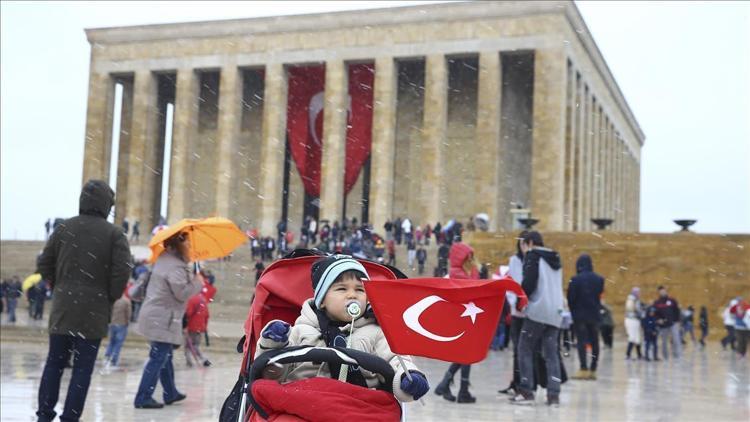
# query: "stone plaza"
472,108
704,385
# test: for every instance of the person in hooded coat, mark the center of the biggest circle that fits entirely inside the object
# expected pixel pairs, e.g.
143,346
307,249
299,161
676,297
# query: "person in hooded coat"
463,266
87,263
542,283
584,292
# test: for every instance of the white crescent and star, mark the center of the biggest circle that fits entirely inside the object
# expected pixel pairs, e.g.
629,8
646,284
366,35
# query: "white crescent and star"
316,106
411,317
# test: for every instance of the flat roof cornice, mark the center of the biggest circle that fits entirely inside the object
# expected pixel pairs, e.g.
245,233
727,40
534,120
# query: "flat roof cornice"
453,11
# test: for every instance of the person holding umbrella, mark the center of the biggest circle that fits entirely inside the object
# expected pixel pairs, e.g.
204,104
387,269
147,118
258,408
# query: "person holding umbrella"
171,284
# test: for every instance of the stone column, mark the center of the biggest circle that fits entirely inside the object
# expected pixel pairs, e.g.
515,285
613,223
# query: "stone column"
570,148
606,170
492,198
619,170
626,192
548,150
611,171
334,141
596,162
383,149
435,118
142,135
98,141
605,166
633,198
587,164
184,125
230,96
274,145
637,199
123,158
581,101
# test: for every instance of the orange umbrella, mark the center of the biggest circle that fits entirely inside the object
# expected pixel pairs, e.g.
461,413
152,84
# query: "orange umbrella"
210,238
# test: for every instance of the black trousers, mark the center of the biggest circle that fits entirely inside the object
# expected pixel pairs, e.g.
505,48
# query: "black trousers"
60,349
515,332
465,371
607,335
587,333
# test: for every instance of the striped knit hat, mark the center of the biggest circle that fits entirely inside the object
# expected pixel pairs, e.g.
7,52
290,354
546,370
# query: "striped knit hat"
326,270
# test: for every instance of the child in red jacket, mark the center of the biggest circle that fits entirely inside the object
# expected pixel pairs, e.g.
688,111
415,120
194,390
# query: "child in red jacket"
196,315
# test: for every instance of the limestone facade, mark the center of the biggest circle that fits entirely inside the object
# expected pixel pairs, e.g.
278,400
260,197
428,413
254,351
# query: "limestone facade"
478,107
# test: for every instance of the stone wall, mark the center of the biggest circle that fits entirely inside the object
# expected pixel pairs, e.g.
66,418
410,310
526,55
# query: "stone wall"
705,269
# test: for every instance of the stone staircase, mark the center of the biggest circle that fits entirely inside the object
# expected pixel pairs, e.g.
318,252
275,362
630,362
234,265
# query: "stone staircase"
235,281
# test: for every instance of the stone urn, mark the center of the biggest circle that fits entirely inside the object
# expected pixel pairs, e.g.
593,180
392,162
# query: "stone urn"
602,223
685,224
528,223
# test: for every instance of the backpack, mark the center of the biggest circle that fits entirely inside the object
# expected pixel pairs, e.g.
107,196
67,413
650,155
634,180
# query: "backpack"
137,291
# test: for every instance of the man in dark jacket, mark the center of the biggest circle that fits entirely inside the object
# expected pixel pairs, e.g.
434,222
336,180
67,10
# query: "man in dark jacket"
668,320
584,292
87,262
542,283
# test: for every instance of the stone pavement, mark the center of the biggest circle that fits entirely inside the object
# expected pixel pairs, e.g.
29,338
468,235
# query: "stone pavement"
704,385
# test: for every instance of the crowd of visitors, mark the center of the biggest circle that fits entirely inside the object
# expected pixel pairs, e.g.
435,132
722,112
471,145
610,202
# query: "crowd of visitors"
168,303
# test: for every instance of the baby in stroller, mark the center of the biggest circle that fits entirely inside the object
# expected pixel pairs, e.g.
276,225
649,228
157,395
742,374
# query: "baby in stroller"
325,322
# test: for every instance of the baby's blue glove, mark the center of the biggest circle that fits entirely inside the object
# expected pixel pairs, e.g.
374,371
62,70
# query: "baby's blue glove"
417,386
277,331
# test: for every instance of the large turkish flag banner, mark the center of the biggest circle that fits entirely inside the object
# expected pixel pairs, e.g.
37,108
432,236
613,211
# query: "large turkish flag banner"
447,319
359,126
305,100
305,110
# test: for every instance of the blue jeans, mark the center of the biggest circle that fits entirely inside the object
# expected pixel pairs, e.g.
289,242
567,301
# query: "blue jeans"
12,302
117,335
498,340
60,348
158,368
535,336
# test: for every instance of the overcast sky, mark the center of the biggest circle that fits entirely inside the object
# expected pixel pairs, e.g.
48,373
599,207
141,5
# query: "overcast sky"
684,68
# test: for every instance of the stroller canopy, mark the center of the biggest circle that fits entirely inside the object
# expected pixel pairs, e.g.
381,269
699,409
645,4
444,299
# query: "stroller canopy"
282,290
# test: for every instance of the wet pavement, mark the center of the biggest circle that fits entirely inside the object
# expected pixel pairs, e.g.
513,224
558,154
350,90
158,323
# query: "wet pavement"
704,385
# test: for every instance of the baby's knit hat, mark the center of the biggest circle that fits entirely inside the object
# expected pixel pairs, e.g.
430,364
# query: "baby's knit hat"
326,270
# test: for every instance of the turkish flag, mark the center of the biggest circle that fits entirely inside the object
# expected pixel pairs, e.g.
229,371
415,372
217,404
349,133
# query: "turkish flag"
449,319
359,125
305,110
305,100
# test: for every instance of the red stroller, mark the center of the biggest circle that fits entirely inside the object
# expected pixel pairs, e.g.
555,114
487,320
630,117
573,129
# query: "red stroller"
280,293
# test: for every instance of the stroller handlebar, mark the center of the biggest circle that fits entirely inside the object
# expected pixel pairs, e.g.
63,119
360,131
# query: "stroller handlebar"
330,355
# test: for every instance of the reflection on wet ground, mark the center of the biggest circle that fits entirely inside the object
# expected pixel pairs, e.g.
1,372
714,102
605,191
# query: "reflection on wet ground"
704,385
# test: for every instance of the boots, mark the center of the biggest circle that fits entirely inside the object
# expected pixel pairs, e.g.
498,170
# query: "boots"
463,393
444,388
630,349
638,351
582,374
